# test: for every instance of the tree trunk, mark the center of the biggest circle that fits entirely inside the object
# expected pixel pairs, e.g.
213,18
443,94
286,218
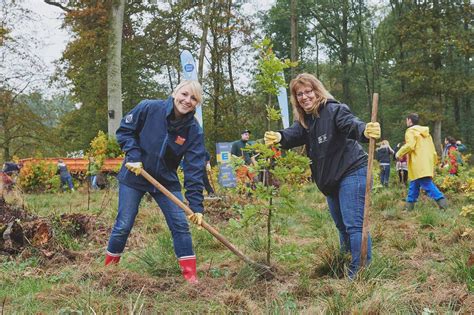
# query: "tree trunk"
344,58
229,60
170,78
202,51
317,55
114,69
437,137
294,34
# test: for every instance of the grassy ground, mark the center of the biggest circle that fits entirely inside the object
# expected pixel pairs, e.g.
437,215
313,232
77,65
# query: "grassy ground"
419,261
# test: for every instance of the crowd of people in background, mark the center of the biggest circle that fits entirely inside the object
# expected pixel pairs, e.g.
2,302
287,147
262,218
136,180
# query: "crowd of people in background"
451,159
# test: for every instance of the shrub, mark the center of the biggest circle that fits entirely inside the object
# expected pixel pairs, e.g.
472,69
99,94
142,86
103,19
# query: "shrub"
38,177
103,147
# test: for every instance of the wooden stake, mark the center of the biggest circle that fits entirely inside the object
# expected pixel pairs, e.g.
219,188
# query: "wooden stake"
368,187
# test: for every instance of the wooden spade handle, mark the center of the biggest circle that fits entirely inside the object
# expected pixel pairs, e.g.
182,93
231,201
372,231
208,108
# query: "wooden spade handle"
188,211
368,187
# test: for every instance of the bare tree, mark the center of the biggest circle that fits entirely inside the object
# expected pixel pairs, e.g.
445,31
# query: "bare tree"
114,69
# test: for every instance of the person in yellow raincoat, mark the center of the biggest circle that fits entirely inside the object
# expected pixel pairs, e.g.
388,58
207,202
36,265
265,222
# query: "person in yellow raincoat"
421,153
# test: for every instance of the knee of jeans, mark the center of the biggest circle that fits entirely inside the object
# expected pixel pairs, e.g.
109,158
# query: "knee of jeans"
354,230
180,227
122,228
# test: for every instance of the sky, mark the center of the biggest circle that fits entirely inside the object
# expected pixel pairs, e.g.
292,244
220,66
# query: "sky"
38,41
48,30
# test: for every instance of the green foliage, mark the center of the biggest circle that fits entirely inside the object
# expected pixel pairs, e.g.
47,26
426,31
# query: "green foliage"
461,271
278,171
292,168
273,114
38,176
103,147
269,77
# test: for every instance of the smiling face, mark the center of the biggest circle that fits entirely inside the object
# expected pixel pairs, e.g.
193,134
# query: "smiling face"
305,97
184,101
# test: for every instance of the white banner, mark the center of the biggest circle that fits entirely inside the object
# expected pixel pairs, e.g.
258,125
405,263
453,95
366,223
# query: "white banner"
190,73
283,102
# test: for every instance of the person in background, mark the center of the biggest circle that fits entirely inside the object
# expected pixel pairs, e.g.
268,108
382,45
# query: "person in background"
207,170
244,176
92,170
461,147
449,158
156,135
331,134
11,167
401,166
383,154
9,174
65,176
420,149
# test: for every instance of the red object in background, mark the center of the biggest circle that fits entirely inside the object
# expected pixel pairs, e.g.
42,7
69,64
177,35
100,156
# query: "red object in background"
6,180
277,152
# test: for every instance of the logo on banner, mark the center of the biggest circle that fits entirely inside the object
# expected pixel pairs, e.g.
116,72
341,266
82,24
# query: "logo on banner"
188,67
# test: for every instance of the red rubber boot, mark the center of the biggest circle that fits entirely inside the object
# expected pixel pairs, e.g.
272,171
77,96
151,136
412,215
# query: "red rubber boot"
111,259
188,268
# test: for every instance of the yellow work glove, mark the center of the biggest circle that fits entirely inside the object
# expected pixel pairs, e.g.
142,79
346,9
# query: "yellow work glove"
372,130
272,137
134,167
196,218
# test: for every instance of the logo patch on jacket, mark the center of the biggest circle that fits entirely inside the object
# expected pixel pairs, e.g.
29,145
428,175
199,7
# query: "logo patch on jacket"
179,140
322,138
129,118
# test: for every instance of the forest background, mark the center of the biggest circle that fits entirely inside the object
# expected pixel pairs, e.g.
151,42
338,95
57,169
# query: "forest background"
416,54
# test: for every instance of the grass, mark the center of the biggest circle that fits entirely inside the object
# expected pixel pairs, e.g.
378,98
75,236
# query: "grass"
419,262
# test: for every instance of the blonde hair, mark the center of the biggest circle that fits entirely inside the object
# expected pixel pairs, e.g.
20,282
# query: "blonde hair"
320,93
384,144
194,86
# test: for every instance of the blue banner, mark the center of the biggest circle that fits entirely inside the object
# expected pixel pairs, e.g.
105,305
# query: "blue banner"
226,173
283,102
190,73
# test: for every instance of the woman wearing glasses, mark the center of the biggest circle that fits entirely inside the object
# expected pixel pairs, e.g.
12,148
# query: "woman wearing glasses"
339,164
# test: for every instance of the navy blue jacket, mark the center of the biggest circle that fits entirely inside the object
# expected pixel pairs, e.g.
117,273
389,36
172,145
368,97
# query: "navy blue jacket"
331,144
383,155
148,134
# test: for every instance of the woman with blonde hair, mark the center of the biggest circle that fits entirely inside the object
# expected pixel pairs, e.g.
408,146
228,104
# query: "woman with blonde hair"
383,154
339,164
156,135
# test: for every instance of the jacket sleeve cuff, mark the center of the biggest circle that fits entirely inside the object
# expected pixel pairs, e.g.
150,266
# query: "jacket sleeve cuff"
197,208
134,155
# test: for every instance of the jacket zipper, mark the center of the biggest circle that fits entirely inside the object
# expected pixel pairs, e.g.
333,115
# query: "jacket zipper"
163,146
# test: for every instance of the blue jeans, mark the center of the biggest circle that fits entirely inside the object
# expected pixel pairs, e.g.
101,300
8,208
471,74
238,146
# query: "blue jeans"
427,184
129,200
346,206
94,182
66,180
384,174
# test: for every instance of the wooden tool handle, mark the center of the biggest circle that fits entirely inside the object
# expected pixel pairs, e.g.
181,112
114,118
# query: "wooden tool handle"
368,187
188,211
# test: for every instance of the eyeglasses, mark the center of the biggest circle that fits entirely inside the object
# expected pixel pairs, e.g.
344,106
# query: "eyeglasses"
307,93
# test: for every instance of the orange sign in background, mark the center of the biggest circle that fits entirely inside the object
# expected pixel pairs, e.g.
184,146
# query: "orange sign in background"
78,165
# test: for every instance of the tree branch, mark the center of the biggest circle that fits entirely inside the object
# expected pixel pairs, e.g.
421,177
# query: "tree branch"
57,4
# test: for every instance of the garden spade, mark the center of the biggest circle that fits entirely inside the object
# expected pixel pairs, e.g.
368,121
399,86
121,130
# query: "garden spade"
368,187
263,270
